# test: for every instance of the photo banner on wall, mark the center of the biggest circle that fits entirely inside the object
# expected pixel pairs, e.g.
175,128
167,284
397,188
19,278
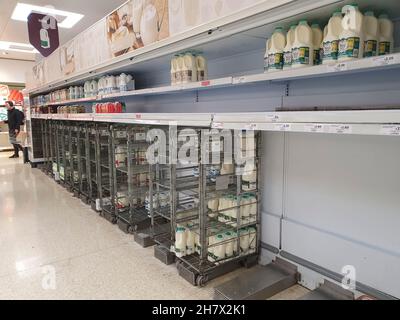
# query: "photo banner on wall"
43,33
136,24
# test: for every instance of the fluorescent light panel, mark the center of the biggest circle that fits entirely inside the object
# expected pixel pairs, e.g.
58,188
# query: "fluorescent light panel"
23,10
18,47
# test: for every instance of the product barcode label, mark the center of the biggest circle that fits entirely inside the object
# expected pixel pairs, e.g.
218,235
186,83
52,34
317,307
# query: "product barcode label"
283,127
384,60
338,67
341,129
391,130
314,128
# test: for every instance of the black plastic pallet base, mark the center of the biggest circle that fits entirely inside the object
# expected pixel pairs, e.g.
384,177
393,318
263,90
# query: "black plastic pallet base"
109,217
143,240
260,282
329,291
84,199
124,226
197,279
164,255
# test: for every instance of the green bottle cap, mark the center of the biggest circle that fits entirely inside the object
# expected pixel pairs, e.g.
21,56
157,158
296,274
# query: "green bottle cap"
384,16
303,23
369,14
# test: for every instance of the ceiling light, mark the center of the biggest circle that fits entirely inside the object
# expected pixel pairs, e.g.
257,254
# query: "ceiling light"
23,10
19,47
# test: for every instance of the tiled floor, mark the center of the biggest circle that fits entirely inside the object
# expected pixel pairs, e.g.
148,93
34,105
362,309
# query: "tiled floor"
52,246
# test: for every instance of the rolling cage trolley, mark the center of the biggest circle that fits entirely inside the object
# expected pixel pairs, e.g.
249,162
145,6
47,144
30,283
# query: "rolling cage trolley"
35,141
131,177
92,169
83,162
60,152
66,169
215,217
45,132
54,149
105,163
74,130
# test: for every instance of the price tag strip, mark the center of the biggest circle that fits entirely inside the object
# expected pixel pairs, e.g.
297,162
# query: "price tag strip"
341,128
386,60
391,130
338,67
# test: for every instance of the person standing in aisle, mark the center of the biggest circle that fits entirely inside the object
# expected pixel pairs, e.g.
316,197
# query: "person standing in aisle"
15,120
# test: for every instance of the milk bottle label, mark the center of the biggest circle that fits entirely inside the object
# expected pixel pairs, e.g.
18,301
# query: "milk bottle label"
349,47
287,58
201,75
331,50
384,48
173,77
370,48
275,61
187,76
301,55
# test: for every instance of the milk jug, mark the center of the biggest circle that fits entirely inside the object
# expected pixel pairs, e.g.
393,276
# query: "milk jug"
386,41
229,250
303,46
287,52
219,250
266,56
331,39
244,240
275,53
189,73
190,239
202,68
174,68
317,40
180,241
179,71
351,39
371,30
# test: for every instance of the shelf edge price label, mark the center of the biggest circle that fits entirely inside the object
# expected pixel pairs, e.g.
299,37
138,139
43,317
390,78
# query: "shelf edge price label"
338,67
273,117
314,128
385,60
283,127
218,125
341,129
206,83
251,127
239,80
390,130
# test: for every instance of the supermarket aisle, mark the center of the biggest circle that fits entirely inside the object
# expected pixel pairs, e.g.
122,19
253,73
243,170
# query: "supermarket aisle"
54,247
44,231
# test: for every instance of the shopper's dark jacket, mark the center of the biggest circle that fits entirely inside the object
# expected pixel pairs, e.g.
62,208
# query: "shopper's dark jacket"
14,120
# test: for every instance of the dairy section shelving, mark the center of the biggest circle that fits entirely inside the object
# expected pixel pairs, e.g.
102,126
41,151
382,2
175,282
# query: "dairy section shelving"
324,129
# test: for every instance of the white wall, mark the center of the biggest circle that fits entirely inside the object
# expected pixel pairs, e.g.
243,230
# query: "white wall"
13,71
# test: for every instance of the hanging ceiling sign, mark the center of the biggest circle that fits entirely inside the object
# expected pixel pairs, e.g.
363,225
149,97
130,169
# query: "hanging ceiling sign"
43,33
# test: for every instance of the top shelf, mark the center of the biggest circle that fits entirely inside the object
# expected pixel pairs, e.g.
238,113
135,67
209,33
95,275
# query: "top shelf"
391,61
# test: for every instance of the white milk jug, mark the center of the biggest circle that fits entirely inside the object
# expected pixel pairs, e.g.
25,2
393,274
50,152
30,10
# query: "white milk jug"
93,88
317,41
303,46
331,39
190,239
386,41
351,38
275,53
189,73
149,25
174,68
219,250
244,240
287,52
202,68
180,241
86,88
371,34
266,56
180,69
229,250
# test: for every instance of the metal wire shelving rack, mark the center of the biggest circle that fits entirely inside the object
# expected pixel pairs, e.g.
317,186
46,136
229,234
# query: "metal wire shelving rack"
105,161
92,167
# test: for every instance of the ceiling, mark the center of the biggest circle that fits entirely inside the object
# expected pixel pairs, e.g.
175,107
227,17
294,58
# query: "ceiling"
17,31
